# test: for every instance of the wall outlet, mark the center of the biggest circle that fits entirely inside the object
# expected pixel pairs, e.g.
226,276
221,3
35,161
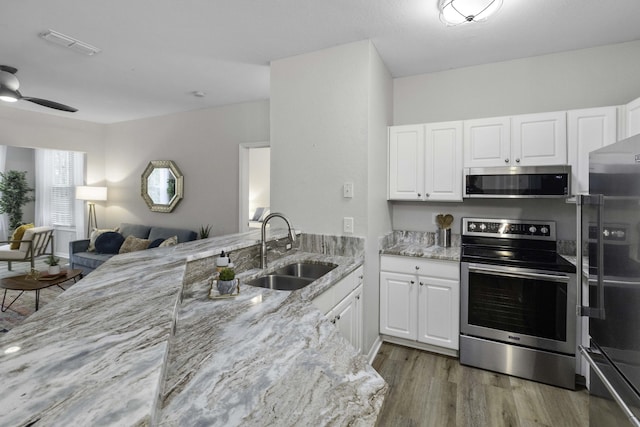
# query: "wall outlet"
347,224
347,190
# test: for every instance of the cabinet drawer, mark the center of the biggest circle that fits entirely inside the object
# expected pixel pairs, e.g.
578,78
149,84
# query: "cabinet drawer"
421,266
332,296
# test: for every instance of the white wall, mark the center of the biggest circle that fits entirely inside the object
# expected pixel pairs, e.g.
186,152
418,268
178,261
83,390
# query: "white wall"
259,178
23,159
329,112
204,145
378,210
594,77
600,76
319,126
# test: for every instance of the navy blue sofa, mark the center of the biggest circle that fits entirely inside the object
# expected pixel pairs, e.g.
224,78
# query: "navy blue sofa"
81,258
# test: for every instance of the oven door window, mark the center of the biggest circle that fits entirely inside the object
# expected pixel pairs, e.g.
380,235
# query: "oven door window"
520,305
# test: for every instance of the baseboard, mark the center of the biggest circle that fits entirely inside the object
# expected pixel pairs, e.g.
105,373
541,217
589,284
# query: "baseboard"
420,346
373,352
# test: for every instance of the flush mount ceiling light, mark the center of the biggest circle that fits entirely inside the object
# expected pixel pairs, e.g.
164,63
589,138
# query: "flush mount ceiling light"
69,42
456,12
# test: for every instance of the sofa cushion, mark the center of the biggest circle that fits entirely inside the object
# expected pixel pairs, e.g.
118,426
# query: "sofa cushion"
95,233
136,230
165,233
18,234
155,243
109,242
171,241
91,260
133,244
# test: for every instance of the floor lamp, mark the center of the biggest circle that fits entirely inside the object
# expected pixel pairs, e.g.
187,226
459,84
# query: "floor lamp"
91,195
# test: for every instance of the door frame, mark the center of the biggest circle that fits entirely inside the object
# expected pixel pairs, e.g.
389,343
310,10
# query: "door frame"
243,180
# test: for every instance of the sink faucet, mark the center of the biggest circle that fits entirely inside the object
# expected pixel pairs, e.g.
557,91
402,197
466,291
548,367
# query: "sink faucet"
263,245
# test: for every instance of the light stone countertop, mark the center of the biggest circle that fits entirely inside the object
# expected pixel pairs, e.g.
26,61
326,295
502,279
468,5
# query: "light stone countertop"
137,342
419,244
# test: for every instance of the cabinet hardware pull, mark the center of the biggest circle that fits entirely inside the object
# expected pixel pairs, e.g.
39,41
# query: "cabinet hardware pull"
506,160
419,195
421,284
417,267
517,160
412,282
427,195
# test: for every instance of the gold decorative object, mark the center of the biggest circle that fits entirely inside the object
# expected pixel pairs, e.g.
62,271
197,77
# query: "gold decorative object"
33,275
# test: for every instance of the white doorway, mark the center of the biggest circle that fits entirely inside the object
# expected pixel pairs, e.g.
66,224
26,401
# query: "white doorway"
255,183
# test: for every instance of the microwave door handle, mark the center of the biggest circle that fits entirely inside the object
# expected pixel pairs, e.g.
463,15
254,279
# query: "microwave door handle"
519,274
598,311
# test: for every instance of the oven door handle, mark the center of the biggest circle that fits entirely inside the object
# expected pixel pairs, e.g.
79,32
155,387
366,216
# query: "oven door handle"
519,274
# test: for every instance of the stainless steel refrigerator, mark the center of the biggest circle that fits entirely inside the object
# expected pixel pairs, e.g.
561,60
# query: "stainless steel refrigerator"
609,245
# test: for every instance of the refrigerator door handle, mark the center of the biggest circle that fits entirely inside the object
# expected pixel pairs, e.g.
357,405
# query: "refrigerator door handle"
616,396
588,311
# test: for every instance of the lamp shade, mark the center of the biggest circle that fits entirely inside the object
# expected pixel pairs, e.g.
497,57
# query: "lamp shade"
455,12
91,193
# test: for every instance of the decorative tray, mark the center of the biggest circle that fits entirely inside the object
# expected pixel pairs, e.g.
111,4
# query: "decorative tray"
47,277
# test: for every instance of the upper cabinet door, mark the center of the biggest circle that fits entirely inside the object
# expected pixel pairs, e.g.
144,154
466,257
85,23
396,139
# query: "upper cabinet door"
588,130
487,142
633,118
406,162
443,161
539,139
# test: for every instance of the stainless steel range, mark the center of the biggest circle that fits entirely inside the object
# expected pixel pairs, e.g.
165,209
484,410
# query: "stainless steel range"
518,301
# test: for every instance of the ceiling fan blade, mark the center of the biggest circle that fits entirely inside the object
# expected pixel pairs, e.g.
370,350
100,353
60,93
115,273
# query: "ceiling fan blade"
50,104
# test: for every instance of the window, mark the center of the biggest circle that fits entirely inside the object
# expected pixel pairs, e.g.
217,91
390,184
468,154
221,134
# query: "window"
57,174
62,189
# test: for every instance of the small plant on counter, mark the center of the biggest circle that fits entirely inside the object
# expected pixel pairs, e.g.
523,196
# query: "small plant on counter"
204,231
227,274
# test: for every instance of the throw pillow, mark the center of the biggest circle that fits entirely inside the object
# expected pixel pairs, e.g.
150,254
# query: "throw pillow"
155,243
94,235
171,241
18,234
109,242
133,244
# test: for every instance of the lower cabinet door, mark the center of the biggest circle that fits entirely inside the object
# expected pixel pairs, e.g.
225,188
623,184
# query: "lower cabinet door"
344,316
398,305
438,312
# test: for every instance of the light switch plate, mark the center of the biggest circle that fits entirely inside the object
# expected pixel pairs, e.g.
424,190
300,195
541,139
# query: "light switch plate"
347,224
348,190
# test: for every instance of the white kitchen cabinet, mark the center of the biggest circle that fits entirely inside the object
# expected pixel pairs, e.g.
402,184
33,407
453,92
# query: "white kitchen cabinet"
487,142
425,162
523,140
443,161
419,300
632,118
342,304
406,162
587,130
539,139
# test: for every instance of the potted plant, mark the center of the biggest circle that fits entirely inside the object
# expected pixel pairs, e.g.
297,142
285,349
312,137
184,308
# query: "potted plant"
226,281
14,189
204,231
54,264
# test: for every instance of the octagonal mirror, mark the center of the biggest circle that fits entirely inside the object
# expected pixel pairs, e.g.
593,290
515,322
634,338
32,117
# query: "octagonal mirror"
162,185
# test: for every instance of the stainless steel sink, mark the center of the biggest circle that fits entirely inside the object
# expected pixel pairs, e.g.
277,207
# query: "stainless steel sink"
280,282
305,269
293,276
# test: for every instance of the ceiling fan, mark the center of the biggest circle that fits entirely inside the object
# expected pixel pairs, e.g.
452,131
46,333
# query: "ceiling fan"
9,85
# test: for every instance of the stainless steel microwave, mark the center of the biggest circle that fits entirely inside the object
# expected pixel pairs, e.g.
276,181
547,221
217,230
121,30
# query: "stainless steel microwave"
518,182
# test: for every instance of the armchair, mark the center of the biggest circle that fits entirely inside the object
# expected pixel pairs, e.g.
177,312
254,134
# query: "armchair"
33,244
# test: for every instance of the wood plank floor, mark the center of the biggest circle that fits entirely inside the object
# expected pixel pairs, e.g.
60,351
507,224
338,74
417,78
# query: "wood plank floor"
427,389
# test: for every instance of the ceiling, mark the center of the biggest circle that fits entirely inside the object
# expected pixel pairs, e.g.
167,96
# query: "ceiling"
156,53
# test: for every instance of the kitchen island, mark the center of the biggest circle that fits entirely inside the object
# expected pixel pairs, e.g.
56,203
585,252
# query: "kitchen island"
138,342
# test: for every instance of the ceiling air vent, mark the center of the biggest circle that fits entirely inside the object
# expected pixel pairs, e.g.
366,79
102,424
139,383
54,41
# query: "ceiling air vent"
69,42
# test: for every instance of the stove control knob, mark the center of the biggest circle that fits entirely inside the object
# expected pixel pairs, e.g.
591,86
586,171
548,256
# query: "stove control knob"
606,233
544,230
619,234
472,226
532,229
483,227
